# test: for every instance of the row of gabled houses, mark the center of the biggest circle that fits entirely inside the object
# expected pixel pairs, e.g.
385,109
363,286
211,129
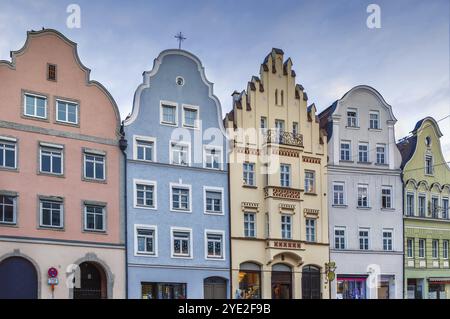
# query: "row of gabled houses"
275,201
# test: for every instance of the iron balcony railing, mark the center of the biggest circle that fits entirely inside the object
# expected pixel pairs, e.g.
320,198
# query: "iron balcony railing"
282,137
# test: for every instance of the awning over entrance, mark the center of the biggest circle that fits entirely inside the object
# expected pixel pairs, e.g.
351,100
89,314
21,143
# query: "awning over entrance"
439,280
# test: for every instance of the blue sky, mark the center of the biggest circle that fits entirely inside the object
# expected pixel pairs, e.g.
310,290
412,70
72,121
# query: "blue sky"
406,60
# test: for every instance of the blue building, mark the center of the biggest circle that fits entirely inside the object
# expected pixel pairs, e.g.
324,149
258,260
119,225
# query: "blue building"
177,184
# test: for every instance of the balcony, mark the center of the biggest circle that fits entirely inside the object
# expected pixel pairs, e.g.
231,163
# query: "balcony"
283,138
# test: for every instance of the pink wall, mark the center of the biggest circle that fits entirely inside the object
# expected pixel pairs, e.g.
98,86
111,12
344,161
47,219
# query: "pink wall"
98,118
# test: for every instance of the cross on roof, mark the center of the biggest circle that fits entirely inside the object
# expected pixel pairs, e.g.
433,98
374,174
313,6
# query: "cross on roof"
180,39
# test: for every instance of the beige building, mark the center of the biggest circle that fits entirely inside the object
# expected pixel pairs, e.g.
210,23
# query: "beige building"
278,156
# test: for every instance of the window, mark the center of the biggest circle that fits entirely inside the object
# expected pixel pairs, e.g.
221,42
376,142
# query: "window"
279,126
94,218
363,152
249,174
179,80
435,248
213,158
51,160
169,114
422,248
158,290
410,210
387,240
295,128
282,97
445,249
145,194
7,209
428,141
66,112
309,182
434,207
410,247
374,120
364,239
345,151
51,214
35,106
8,154
386,197
445,208
310,230
214,201
352,118
338,193
266,217
181,243
94,166
285,175
276,96
429,165
363,196
214,245
381,154
51,72
339,238
190,116
180,153
286,226
263,124
145,240
181,198
249,225
422,204
144,149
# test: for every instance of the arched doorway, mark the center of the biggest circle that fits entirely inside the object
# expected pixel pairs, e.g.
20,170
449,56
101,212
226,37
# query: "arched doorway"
311,282
281,281
92,282
249,281
18,279
215,288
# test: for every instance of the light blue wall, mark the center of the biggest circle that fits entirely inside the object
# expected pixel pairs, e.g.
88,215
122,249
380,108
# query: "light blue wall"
160,84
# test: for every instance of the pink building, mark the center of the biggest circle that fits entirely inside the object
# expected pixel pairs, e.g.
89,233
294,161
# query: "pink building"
61,176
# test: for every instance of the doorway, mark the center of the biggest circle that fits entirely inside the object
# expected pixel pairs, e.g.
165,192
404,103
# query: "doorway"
281,282
92,282
215,288
18,279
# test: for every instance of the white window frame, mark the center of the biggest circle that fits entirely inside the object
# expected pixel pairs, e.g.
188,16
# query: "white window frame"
41,214
384,154
248,172
14,222
424,248
197,120
148,139
388,230
155,193
377,113
447,200
182,143
409,240
367,152
344,195
161,117
51,148
433,250
172,248
288,226
425,207
445,249
312,230
366,229
351,109
35,105
366,186
217,190
334,238
87,153
255,229
137,253
85,218
408,193
295,128
349,143
185,186
12,142
314,186
434,197
432,165
217,149
391,196
287,175
66,102
214,232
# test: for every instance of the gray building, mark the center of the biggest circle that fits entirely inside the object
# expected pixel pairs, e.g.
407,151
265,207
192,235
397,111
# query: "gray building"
365,196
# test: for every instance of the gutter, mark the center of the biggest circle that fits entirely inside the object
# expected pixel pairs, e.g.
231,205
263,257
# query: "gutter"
123,144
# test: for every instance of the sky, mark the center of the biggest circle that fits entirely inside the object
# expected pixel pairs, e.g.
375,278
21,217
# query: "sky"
406,59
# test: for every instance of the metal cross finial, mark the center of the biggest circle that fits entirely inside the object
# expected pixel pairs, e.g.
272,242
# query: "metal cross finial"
180,38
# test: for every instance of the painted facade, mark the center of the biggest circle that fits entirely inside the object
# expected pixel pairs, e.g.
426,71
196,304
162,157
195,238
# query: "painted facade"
365,197
426,179
178,221
279,221
61,198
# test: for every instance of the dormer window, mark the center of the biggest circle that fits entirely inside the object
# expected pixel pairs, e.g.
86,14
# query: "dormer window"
428,141
51,72
352,118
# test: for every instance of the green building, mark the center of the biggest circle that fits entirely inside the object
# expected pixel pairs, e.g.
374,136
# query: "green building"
426,184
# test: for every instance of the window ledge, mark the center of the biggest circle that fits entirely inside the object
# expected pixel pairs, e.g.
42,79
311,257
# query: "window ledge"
353,127
340,206
9,169
181,211
11,225
92,180
35,118
375,129
67,124
60,229
363,207
51,174
96,232
346,161
381,164
364,163
388,209
250,186
310,193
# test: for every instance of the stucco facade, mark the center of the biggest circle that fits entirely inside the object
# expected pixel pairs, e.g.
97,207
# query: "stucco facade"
365,197
178,236
426,179
276,142
50,128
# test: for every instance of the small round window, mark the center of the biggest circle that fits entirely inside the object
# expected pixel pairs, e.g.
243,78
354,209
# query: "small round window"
180,81
428,141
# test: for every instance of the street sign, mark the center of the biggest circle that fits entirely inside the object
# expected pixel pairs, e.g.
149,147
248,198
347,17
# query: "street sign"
52,281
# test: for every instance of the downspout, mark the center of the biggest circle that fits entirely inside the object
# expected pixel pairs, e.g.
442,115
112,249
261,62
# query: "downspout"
123,144
403,243
229,228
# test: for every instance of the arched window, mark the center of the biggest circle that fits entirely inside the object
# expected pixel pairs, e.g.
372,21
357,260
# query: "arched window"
249,281
276,96
282,97
281,281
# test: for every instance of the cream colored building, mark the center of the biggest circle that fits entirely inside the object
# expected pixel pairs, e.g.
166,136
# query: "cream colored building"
278,157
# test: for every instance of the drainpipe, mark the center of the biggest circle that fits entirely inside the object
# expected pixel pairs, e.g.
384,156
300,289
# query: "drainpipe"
229,232
123,146
403,243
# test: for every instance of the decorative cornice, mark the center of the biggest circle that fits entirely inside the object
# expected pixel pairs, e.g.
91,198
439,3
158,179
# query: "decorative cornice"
282,193
312,160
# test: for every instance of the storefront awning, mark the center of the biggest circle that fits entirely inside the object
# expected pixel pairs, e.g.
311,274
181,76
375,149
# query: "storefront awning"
439,280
